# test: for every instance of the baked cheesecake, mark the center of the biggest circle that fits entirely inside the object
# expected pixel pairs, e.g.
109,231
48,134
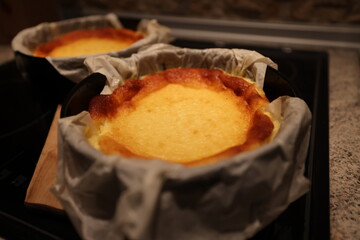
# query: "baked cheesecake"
184,115
88,41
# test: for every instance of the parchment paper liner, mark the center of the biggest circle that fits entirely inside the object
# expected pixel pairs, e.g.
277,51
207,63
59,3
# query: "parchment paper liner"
72,67
111,197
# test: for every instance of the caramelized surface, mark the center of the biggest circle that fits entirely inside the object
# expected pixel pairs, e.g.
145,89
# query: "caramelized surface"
88,41
189,116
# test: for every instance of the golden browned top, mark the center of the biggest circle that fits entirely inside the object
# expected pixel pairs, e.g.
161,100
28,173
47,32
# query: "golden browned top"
185,115
88,41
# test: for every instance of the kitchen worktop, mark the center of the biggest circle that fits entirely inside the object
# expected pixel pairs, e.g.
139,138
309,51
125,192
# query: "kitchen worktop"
344,114
344,142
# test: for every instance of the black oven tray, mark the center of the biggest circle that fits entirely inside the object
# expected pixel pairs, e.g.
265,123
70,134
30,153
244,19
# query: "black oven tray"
25,122
307,71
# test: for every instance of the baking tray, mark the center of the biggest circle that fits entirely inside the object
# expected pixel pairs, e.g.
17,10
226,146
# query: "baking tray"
23,136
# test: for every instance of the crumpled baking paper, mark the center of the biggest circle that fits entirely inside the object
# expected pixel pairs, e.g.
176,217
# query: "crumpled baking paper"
72,67
112,197
238,62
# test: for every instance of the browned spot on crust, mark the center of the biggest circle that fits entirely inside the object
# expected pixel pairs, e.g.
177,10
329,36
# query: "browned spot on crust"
261,128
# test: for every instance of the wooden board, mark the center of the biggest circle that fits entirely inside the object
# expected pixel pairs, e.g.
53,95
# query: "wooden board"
38,194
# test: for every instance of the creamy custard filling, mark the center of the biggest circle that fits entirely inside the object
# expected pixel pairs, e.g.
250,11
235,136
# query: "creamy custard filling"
161,125
87,47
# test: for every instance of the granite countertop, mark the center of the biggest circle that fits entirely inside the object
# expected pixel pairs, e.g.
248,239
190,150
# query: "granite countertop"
344,129
344,142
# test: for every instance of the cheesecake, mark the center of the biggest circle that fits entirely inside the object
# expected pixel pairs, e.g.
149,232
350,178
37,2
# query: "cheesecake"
189,116
87,42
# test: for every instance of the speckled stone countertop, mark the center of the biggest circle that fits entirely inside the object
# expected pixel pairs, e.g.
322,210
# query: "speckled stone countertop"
344,129
344,142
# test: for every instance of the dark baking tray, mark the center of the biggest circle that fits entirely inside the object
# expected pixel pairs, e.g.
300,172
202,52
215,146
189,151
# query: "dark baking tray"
307,71
25,122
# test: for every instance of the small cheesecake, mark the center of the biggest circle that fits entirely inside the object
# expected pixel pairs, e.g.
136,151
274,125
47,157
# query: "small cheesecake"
87,42
189,116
